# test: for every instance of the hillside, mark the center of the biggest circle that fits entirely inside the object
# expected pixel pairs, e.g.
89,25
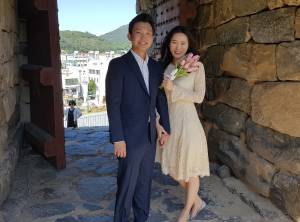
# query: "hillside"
118,35
84,41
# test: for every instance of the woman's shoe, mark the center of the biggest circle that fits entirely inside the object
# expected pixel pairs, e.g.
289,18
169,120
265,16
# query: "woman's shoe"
197,209
184,217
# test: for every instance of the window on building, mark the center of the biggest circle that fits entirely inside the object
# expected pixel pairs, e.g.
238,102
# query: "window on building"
71,82
92,71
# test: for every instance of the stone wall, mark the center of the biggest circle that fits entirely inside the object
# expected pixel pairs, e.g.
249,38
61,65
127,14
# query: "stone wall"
10,88
251,53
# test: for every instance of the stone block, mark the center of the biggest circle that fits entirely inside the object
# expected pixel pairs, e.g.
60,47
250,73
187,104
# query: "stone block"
209,83
244,164
273,26
223,11
4,80
280,149
9,103
272,4
292,2
297,24
212,60
275,105
238,95
220,87
8,16
2,113
8,47
227,118
3,140
233,32
252,62
285,193
287,60
242,7
207,38
205,16
223,172
216,88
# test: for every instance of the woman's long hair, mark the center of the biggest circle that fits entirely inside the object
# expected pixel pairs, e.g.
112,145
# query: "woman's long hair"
166,56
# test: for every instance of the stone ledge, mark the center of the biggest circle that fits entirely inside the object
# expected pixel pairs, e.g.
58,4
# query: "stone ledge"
285,193
261,205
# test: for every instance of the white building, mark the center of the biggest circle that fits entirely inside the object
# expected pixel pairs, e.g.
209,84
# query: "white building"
78,69
71,83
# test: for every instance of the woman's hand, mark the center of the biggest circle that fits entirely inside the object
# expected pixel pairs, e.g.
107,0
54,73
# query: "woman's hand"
168,84
161,134
159,128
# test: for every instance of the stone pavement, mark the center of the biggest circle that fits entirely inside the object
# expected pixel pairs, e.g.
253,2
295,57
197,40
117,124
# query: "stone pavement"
85,190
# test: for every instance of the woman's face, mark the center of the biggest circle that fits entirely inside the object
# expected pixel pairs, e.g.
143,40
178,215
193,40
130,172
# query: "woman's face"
179,45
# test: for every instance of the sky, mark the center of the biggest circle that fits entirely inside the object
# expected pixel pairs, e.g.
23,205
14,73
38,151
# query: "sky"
95,16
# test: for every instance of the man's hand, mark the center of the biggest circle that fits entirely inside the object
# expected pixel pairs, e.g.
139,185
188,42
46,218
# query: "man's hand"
120,149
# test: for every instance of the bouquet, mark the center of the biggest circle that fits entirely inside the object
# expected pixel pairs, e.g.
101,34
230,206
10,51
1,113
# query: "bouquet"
186,66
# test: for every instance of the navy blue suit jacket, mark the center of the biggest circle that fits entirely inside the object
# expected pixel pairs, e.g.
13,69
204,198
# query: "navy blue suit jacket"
129,105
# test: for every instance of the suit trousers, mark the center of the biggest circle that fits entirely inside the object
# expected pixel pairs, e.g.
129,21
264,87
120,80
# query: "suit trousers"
134,183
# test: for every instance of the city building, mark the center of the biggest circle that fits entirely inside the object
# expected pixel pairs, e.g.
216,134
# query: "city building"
78,70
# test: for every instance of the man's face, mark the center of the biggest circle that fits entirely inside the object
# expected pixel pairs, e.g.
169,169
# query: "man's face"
141,36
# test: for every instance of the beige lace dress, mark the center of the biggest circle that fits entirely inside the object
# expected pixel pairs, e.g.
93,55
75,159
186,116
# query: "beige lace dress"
185,153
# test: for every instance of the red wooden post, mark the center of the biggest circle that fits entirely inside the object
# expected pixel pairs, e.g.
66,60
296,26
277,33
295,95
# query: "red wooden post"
46,131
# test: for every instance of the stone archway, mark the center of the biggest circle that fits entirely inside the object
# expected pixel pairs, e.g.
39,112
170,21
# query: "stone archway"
250,51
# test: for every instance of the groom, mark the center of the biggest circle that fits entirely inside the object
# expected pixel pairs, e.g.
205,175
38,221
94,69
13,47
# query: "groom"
133,96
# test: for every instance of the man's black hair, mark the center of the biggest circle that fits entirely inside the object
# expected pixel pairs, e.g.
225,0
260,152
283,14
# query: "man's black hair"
143,17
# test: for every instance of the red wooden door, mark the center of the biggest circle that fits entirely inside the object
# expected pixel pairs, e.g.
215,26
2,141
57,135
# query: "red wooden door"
45,132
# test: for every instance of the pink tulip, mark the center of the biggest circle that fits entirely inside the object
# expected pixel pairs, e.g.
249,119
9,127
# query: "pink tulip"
196,57
182,63
189,57
195,64
186,65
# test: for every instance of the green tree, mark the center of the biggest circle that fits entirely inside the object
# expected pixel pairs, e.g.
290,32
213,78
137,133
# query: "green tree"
92,87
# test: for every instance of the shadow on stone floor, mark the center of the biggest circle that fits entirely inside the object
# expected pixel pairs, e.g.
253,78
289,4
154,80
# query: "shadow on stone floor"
85,190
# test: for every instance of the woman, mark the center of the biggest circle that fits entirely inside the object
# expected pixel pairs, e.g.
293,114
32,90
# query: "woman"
184,157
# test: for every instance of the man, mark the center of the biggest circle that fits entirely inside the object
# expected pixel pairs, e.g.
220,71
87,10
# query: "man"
133,96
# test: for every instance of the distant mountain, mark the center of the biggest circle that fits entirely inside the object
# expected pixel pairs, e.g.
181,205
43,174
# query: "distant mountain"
84,41
118,35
